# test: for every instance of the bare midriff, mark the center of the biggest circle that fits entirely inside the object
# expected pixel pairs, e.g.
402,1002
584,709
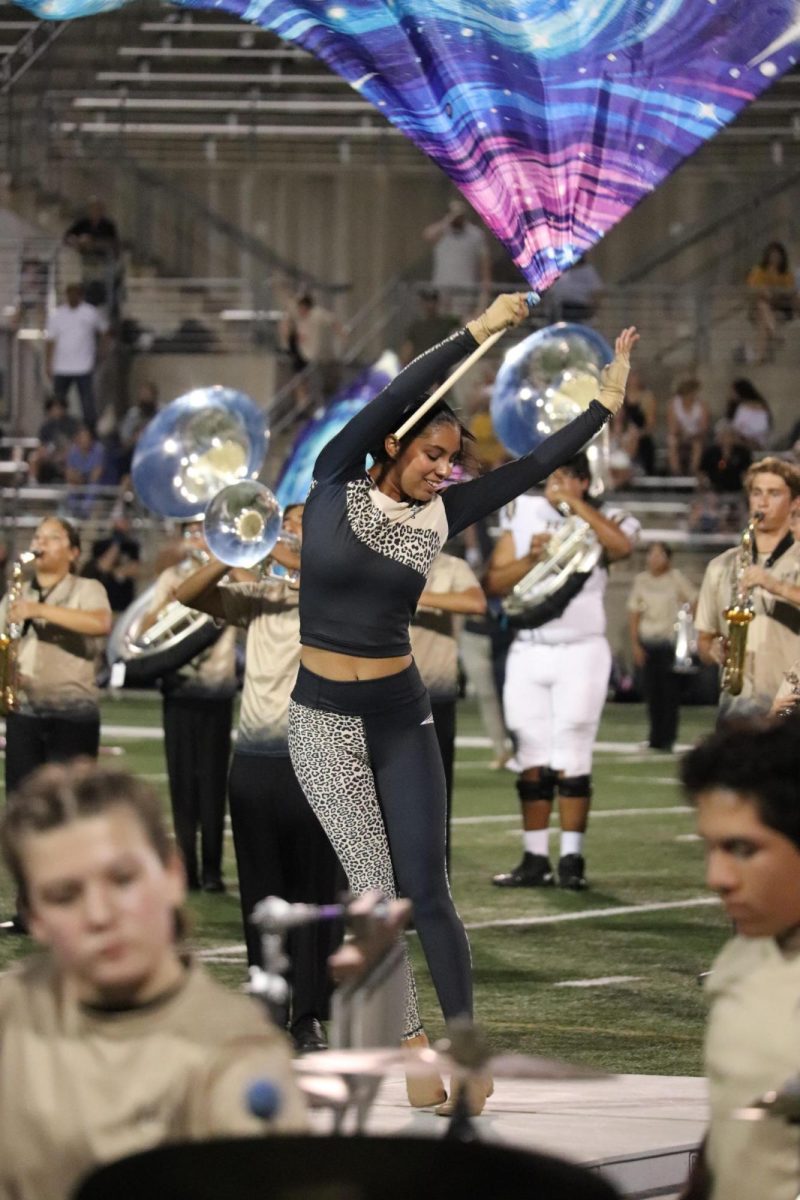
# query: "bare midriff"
349,668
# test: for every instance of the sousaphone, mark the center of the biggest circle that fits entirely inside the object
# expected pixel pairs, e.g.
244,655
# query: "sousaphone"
200,444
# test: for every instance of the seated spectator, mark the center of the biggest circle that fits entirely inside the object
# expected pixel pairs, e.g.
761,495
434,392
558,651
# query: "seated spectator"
725,461
85,464
750,415
688,420
48,463
576,294
773,297
623,448
640,410
114,1039
115,562
430,327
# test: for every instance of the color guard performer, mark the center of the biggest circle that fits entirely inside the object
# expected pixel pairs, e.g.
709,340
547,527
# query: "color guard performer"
361,730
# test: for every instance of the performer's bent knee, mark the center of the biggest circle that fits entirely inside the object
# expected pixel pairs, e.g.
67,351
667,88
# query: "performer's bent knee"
575,786
542,788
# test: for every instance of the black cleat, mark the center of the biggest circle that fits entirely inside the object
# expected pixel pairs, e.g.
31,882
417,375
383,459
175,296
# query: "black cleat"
534,871
571,872
308,1035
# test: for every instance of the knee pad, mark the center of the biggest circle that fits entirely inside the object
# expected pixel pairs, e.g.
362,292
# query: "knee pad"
575,785
542,788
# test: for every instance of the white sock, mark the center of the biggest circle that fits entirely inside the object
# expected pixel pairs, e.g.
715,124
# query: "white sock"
571,843
536,841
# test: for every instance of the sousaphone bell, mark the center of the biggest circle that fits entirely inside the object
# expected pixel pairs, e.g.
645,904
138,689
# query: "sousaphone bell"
199,445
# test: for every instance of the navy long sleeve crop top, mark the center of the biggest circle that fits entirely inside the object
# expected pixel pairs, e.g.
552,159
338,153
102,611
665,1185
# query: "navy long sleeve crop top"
365,556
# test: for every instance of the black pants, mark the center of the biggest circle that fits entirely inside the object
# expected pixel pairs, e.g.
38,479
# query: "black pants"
661,690
367,757
281,850
34,740
444,722
61,386
197,743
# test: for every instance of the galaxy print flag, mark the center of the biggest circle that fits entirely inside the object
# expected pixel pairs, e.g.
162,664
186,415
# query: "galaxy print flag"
553,117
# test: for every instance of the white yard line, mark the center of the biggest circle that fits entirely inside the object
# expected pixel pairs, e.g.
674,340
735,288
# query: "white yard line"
589,914
600,981
596,814
235,952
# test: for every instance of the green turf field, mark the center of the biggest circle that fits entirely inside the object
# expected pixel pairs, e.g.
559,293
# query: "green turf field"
640,852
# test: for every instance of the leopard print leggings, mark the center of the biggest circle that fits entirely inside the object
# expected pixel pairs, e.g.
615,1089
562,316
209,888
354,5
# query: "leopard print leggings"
376,784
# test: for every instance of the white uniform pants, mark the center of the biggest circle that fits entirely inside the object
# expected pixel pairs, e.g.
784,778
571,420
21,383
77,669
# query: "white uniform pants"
553,700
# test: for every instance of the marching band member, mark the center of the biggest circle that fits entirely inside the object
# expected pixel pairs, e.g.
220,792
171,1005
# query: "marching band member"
361,732
452,588
197,711
281,849
62,618
557,672
773,579
114,1041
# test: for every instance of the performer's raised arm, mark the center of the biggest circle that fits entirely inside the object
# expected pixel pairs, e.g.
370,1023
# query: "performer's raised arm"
346,453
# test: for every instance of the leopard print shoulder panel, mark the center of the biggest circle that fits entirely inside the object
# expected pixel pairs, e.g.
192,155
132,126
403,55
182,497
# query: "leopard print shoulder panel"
398,540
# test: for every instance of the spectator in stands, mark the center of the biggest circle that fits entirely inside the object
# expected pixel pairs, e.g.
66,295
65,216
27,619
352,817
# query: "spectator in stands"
115,562
624,438
640,410
136,419
430,327
461,269
95,237
94,232
655,599
76,333
85,464
725,461
48,463
773,297
688,421
313,338
576,293
750,415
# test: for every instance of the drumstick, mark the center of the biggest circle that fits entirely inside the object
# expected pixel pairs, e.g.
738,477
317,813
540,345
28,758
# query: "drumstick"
532,299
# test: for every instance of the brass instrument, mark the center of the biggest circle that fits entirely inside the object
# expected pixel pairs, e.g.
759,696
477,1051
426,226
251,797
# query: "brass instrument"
739,613
190,452
10,635
685,642
573,550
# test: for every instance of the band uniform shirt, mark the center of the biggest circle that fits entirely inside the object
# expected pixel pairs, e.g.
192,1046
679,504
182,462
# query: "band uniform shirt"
584,616
434,634
657,599
81,1086
752,1046
213,671
73,332
57,666
366,556
772,635
269,612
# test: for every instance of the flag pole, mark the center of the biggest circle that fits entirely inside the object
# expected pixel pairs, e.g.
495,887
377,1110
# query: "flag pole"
532,299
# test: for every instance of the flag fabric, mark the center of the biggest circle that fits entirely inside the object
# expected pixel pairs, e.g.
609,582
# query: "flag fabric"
553,117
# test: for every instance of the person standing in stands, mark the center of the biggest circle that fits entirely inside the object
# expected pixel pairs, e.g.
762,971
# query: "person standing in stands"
76,333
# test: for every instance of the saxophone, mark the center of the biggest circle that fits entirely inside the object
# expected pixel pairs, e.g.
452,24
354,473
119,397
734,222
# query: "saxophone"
10,635
739,613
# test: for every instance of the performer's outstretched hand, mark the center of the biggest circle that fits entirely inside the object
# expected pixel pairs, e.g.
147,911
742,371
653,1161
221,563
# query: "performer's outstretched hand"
625,343
504,311
615,375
